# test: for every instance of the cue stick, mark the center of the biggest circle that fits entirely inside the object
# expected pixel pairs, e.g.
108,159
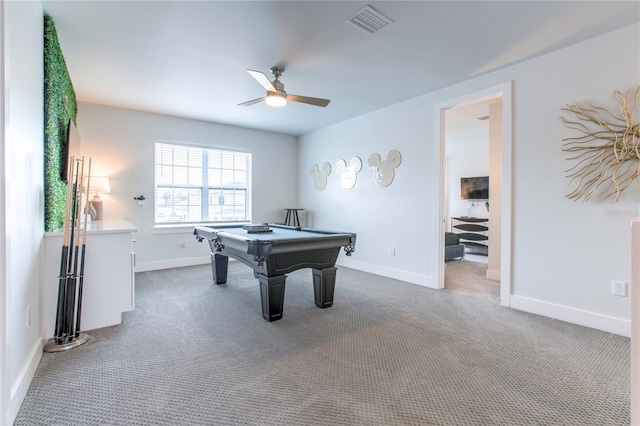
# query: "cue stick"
76,243
62,277
69,301
84,246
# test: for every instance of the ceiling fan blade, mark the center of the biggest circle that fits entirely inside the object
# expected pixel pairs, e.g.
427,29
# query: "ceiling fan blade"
263,80
308,100
252,102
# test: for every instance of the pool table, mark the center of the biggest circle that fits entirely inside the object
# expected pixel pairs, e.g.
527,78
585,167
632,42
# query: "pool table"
274,253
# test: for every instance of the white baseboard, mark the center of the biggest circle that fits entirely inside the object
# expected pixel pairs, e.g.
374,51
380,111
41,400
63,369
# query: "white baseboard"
172,263
419,279
551,310
572,315
423,280
564,313
21,385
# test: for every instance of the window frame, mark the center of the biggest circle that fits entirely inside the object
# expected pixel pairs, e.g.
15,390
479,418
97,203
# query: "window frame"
205,187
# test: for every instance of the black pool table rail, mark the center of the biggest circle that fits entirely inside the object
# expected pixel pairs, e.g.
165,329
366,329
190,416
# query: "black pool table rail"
261,245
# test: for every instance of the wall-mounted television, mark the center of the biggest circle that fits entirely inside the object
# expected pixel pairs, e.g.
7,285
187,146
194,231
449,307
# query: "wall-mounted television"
474,188
70,148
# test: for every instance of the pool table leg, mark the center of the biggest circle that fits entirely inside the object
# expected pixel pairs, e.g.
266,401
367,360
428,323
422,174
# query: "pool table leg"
272,295
219,265
324,283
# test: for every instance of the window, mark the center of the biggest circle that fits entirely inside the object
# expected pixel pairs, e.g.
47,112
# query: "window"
195,185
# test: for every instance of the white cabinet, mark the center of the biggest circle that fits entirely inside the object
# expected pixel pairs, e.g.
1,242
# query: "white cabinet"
109,280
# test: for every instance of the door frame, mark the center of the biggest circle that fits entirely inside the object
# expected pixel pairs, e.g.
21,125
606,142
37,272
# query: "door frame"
5,388
503,91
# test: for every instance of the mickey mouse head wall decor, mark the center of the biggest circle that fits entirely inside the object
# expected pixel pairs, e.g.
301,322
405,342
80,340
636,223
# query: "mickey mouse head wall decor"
349,174
384,171
320,175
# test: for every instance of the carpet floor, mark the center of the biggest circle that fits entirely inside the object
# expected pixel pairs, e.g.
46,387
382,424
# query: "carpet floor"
386,353
463,276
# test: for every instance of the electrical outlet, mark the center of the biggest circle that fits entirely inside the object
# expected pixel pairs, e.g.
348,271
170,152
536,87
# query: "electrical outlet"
392,251
183,244
28,316
619,288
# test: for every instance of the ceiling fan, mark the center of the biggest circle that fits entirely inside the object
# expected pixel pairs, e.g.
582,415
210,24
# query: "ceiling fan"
276,96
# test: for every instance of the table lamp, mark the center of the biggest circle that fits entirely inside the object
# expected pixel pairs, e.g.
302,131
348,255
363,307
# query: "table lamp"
99,184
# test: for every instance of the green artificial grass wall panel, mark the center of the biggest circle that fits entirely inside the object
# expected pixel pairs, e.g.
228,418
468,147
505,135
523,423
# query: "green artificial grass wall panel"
59,107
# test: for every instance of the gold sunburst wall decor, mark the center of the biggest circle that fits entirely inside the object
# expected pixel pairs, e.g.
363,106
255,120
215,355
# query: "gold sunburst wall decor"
607,154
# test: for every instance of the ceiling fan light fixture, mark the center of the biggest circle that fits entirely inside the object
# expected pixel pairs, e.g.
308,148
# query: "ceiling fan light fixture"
275,100
276,95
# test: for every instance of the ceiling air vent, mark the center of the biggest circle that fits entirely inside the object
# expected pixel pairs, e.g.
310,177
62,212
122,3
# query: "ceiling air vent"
369,20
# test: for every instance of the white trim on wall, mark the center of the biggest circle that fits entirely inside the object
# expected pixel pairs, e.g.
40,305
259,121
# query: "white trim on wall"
4,312
23,380
507,181
396,274
576,316
172,263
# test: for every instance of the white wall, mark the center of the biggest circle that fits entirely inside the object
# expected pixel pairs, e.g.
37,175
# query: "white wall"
564,253
465,158
394,216
121,145
574,271
22,181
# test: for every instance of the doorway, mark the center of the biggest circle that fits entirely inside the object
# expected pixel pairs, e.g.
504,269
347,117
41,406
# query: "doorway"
467,178
499,260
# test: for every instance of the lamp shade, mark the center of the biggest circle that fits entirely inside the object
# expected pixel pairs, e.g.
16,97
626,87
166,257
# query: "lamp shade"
100,184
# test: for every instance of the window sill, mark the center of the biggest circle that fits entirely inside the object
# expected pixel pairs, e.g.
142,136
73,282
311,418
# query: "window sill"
172,229
188,228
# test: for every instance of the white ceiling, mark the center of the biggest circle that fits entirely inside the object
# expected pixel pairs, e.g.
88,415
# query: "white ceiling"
188,59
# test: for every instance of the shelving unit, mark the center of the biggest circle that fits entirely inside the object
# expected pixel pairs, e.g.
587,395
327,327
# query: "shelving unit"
473,233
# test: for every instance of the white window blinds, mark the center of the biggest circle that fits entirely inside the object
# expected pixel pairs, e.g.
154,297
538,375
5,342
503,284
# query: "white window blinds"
196,185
